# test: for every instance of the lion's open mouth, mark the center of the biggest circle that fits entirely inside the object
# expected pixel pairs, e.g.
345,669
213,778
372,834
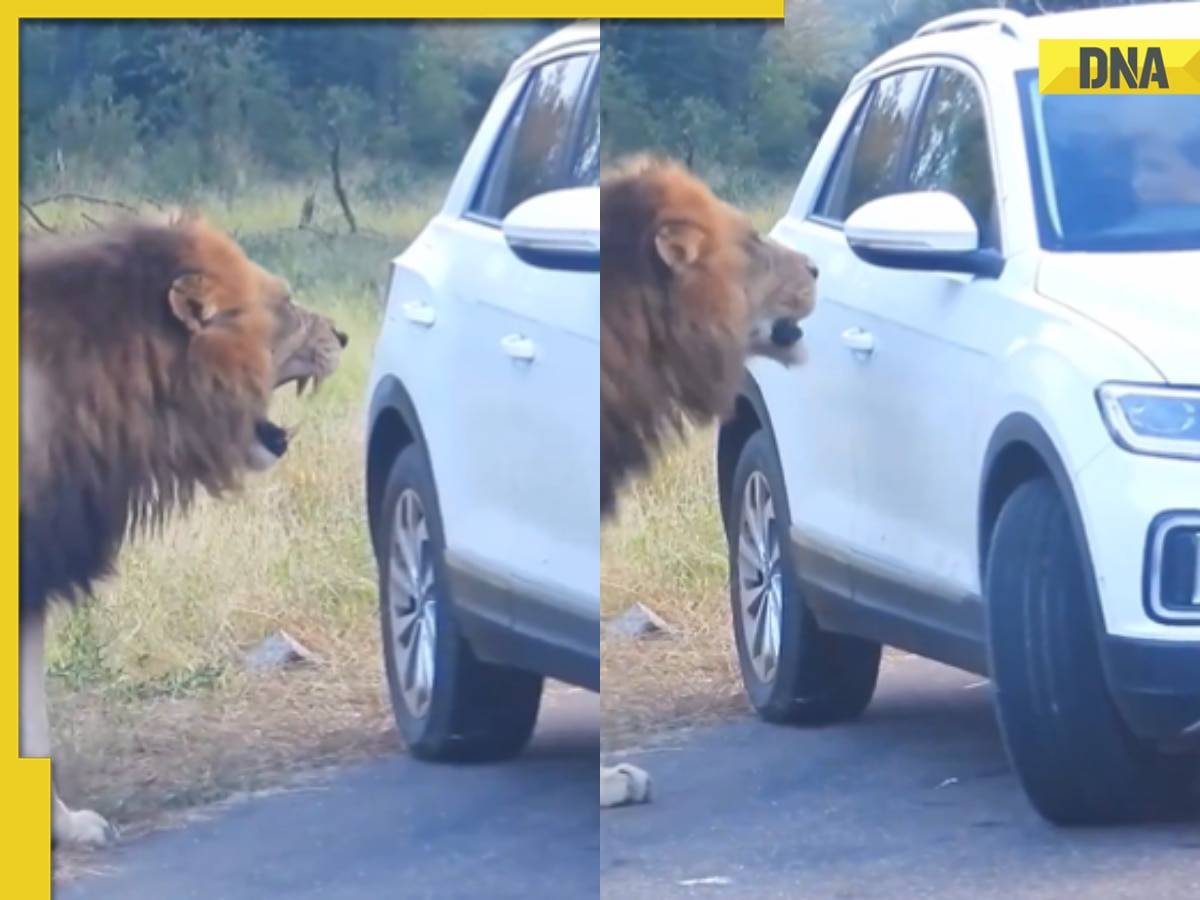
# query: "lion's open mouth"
272,437
786,332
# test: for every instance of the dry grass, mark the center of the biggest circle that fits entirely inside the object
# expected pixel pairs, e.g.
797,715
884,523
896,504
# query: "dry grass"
667,550
269,207
289,552
151,705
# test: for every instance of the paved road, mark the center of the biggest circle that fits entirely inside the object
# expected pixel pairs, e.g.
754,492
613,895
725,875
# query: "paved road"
914,801
393,828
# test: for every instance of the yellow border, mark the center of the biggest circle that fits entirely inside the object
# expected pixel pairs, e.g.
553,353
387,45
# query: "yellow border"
25,783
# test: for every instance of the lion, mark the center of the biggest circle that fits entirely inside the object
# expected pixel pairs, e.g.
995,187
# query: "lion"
149,354
688,291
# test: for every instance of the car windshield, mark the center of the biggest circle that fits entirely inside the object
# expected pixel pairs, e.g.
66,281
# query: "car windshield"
1114,172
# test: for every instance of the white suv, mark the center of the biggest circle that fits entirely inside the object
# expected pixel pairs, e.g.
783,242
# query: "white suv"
992,457
482,462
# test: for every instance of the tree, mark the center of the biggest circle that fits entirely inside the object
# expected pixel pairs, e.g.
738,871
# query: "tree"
186,104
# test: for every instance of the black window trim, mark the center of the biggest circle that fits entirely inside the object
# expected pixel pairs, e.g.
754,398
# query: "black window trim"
838,155
517,108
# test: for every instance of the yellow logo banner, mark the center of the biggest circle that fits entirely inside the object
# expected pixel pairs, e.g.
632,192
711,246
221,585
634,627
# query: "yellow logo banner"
1119,67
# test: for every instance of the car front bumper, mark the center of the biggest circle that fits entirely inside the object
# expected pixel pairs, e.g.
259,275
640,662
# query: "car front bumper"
1156,687
1152,664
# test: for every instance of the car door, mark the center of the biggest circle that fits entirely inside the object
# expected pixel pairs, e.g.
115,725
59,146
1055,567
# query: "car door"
529,375
921,344
817,428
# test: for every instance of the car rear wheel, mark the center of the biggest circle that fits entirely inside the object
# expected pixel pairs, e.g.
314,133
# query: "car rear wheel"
792,669
448,704
1075,757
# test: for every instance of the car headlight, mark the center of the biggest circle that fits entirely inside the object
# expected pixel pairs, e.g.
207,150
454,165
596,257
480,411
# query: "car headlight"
1150,419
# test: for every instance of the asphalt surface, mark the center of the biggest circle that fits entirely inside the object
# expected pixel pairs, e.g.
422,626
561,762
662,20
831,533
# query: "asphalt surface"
392,828
915,800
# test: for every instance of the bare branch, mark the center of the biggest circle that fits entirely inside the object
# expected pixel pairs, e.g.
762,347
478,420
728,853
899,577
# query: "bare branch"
84,198
335,166
36,218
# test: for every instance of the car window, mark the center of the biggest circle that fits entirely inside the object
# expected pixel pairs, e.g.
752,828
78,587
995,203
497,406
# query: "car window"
1113,173
951,152
533,154
870,162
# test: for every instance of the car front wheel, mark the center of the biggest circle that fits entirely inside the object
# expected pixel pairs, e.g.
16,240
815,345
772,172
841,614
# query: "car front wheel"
448,704
1075,757
792,669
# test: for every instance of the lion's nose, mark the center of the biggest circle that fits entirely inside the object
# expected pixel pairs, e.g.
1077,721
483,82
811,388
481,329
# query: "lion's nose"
342,337
812,269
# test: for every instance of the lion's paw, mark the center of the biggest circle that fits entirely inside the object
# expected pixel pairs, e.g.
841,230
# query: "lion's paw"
81,828
623,785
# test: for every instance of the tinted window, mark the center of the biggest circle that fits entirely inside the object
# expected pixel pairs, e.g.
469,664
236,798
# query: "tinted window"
951,152
871,158
534,153
1114,172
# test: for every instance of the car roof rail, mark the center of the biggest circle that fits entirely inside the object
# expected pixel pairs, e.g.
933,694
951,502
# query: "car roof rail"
1009,21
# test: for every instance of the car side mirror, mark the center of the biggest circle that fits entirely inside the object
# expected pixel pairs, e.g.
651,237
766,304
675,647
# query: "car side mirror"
920,230
557,230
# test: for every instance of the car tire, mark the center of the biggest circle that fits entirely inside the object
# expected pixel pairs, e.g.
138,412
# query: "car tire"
1076,759
448,705
812,676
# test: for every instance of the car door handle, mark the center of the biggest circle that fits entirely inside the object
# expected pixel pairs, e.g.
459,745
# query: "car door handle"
419,313
861,342
519,347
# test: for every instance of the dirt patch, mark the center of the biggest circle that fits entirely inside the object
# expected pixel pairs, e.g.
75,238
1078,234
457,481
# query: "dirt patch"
143,763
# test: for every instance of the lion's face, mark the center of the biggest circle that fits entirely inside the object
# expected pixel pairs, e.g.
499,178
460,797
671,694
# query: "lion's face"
711,248
781,289
249,335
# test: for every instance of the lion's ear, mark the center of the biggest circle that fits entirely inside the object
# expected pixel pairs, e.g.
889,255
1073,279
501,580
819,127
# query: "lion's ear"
191,300
679,244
